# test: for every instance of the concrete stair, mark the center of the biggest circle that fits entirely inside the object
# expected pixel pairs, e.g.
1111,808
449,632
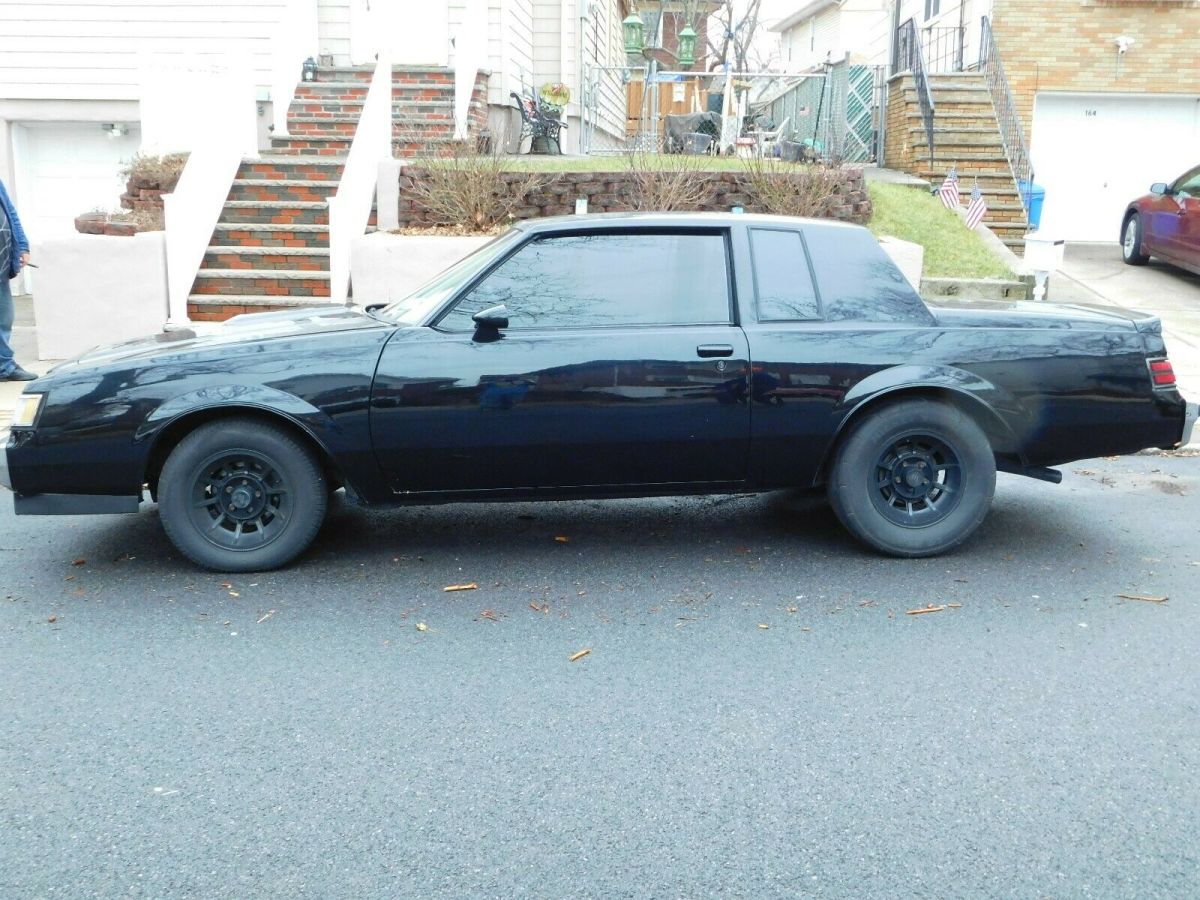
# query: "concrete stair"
325,112
966,136
270,248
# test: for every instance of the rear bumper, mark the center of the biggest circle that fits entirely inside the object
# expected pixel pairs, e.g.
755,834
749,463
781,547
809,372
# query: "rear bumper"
1189,423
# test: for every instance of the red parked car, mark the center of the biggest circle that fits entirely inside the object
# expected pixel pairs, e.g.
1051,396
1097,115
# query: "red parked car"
1165,223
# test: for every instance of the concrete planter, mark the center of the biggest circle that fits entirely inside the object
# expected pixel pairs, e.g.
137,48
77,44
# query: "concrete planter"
94,290
386,267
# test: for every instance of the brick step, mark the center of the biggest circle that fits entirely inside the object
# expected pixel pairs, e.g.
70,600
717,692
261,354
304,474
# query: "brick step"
430,146
401,130
285,212
990,177
314,91
367,72
298,259
400,108
288,168
332,121
968,135
300,127
242,234
953,118
956,78
261,282
279,190
312,145
209,308
951,154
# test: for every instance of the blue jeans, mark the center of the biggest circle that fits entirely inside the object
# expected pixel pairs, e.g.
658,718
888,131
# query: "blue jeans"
7,364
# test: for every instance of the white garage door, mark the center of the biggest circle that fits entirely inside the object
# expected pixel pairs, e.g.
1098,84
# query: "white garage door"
66,169
1093,153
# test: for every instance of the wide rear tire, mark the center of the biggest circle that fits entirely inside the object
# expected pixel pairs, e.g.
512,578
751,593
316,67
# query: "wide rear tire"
241,495
913,478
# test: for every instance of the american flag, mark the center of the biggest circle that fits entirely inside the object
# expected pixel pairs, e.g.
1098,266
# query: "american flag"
949,189
977,208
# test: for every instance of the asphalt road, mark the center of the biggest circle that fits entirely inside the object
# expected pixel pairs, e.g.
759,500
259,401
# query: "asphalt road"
170,733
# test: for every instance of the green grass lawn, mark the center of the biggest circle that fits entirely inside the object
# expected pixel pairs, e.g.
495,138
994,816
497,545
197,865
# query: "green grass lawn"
951,251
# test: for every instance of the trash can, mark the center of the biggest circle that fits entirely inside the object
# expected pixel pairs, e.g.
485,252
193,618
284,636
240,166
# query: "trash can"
1037,196
696,143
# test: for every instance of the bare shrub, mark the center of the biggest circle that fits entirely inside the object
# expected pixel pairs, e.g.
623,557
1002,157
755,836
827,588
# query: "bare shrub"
664,183
471,189
156,172
786,189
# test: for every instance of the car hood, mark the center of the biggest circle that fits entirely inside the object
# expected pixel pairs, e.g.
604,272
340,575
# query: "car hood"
214,335
1026,314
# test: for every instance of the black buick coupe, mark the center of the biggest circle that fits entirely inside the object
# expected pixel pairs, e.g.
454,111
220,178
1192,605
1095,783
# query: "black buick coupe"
609,356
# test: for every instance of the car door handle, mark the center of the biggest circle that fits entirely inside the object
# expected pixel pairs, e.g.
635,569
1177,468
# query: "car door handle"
707,351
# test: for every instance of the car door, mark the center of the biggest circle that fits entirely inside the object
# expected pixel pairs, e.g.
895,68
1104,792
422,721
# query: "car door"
1168,217
1185,195
621,365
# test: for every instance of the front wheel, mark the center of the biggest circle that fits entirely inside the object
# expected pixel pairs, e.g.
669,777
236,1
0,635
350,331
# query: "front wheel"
240,495
1131,242
915,478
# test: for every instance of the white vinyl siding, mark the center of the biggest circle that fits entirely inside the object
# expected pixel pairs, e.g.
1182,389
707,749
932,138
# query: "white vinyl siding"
547,41
333,30
58,50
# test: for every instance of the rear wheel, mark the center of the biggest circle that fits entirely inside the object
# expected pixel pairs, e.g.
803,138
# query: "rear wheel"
915,478
1131,242
239,495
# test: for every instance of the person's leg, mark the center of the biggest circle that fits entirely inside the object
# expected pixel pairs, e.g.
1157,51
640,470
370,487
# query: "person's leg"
6,324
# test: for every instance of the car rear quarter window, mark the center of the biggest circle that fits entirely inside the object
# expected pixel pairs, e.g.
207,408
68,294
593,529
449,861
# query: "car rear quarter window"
783,282
857,280
605,279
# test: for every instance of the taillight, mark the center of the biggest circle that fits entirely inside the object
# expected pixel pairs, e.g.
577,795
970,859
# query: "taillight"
1161,373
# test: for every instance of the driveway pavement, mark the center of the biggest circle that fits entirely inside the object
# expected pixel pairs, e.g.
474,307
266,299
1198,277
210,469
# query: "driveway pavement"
1095,273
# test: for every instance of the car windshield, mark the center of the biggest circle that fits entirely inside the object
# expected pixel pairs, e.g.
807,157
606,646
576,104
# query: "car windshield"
416,307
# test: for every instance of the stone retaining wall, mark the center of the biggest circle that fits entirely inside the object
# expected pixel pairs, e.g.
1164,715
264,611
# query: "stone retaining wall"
616,191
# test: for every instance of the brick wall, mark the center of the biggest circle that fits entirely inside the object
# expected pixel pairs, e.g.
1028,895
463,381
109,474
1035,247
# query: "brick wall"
1068,45
615,192
897,152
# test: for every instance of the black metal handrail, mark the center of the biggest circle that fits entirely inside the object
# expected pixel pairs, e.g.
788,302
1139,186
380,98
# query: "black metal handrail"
1012,133
910,58
943,48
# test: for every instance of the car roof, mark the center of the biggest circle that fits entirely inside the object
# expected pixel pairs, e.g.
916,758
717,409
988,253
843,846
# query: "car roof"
618,220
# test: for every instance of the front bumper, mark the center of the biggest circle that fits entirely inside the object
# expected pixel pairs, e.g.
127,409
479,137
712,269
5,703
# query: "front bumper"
5,478
1189,423
61,504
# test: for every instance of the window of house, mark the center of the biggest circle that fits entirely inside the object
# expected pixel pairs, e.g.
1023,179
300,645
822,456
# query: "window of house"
932,8
590,280
783,283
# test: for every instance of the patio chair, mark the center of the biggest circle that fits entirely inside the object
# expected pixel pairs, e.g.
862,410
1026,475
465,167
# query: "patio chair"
544,129
769,140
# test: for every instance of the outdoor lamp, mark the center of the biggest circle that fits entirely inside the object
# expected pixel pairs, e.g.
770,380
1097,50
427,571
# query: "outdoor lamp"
309,72
633,27
687,45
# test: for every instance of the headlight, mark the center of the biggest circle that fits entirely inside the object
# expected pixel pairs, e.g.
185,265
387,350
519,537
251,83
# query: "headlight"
26,412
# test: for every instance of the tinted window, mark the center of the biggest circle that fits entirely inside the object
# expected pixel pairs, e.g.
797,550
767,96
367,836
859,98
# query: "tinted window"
782,280
606,279
858,280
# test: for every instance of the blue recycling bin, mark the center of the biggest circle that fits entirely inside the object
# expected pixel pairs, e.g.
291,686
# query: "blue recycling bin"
1037,196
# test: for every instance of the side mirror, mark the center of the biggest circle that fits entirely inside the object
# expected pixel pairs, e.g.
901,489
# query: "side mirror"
1159,188
494,317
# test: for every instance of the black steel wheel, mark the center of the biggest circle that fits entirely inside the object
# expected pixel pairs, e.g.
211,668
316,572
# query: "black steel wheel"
242,495
1131,242
913,478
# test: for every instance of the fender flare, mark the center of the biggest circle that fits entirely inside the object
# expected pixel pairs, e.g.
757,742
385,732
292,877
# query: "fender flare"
990,403
313,422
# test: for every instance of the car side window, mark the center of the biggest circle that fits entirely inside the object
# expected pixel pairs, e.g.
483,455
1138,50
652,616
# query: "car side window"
598,279
1189,184
783,282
